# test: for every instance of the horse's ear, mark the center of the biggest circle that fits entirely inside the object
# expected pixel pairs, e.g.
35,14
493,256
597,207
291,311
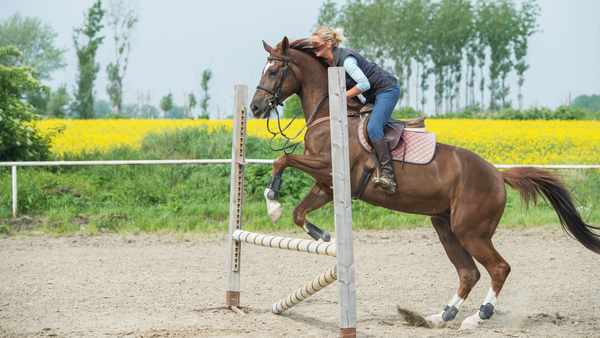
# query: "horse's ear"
267,47
285,44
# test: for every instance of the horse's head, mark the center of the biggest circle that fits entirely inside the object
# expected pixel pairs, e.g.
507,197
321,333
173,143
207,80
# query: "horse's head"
278,82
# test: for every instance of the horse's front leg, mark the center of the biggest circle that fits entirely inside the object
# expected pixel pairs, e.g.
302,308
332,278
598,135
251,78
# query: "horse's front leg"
318,196
312,165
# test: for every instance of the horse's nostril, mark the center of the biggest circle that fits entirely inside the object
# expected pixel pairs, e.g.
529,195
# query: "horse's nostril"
254,108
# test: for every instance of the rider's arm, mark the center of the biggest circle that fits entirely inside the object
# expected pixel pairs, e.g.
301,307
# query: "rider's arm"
362,83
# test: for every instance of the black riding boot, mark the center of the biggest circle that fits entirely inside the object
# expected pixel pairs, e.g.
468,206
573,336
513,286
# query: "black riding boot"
386,181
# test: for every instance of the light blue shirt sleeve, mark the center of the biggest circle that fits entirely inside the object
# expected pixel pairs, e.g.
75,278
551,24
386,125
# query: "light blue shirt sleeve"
351,67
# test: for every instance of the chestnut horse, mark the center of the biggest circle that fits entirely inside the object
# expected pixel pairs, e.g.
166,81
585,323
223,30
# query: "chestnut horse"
464,194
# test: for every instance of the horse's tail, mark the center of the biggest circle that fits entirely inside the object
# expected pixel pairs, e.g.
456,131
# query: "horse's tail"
531,182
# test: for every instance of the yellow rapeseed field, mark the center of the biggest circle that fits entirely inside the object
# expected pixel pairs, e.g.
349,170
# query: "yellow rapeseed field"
500,142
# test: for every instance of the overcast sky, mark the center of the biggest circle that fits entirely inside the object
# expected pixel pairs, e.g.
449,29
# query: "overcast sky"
177,40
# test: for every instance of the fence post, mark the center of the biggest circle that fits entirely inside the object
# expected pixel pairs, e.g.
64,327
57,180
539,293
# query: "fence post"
342,201
14,190
238,157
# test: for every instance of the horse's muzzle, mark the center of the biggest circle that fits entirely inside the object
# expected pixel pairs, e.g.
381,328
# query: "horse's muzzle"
260,112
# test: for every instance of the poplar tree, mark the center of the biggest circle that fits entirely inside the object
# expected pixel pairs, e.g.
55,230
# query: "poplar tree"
86,45
527,25
191,103
166,103
123,17
439,38
497,22
206,76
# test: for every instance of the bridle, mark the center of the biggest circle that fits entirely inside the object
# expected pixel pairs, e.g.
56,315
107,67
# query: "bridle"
274,102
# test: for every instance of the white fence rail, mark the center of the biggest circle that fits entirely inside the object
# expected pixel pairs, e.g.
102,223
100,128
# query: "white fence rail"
14,166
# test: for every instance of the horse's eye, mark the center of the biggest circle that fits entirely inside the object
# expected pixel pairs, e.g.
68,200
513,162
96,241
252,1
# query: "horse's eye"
273,73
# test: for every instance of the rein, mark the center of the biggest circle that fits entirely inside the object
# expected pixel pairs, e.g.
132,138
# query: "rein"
274,102
287,144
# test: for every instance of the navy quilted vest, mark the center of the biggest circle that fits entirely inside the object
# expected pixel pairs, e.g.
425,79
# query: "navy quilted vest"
379,78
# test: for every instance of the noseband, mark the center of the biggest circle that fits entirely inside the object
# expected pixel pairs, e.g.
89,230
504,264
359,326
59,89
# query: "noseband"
274,101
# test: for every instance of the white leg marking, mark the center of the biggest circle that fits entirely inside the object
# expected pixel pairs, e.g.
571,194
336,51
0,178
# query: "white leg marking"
437,318
268,65
473,322
273,207
491,297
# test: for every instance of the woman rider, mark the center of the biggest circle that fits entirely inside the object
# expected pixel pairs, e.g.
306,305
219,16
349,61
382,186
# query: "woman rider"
377,86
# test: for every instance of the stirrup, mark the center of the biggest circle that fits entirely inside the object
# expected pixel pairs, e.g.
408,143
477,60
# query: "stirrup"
387,184
376,181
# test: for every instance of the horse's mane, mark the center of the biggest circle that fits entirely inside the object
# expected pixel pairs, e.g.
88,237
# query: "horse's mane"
305,46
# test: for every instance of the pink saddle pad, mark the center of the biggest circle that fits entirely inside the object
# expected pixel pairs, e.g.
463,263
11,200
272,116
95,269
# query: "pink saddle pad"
420,147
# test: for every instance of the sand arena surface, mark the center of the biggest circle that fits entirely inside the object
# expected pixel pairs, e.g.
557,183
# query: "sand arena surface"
146,285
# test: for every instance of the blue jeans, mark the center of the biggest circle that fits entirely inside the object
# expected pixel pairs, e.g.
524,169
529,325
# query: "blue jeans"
382,112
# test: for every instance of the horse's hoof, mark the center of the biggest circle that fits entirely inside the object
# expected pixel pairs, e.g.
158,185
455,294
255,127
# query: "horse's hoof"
436,319
471,323
273,207
316,233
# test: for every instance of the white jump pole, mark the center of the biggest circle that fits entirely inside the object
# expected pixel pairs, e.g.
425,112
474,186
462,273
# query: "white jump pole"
342,201
286,243
316,285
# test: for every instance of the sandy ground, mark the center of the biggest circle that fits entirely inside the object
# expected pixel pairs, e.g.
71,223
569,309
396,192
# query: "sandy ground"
145,286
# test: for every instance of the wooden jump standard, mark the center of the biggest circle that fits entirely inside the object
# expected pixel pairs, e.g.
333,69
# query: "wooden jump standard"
343,249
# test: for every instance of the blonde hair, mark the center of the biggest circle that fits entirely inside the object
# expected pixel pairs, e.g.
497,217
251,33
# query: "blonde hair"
335,35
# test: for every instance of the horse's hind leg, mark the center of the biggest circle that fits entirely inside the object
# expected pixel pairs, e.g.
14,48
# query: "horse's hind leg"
485,253
476,238
318,196
465,266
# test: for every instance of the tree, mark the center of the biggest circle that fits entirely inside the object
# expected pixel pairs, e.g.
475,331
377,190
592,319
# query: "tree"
422,19
101,108
470,78
206,76
191,103
166,104
36,43
328,14
123,16
591,102
19,140
292,106
451,30
527,25
83,104
443,38
497,29
58,103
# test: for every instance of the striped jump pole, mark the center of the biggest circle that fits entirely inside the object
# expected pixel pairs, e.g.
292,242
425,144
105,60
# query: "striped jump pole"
286,243
318,284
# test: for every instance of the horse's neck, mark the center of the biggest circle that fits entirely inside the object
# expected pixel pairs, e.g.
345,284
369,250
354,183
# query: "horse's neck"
313,88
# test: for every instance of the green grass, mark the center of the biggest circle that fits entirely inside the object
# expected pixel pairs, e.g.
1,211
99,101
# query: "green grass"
195,198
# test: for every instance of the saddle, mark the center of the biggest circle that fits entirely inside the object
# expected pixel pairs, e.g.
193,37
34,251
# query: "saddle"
393,132
394,129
